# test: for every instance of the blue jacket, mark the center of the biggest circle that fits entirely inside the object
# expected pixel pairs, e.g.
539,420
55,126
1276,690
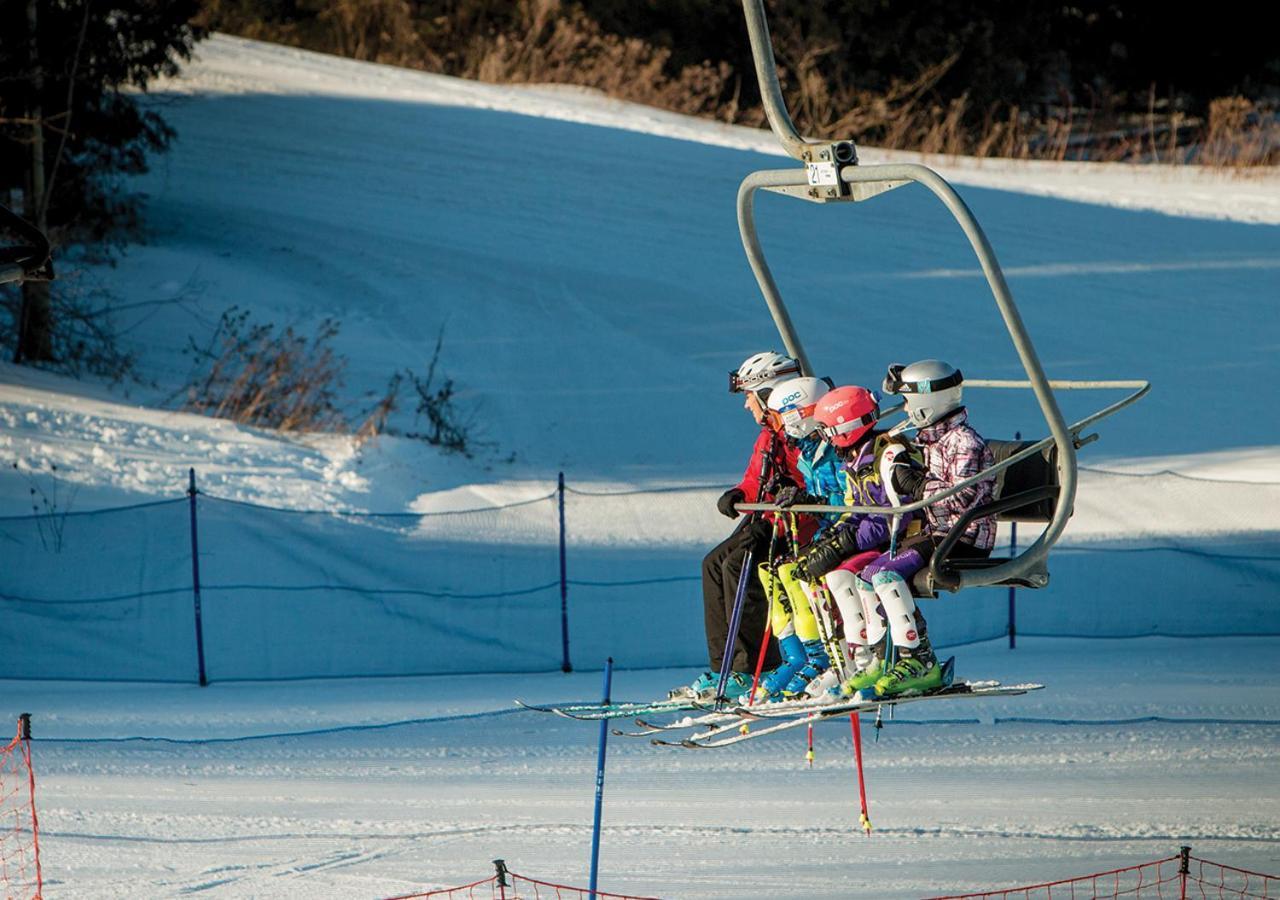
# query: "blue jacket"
824,475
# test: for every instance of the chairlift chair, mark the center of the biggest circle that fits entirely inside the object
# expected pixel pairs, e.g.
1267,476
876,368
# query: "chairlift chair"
1036,480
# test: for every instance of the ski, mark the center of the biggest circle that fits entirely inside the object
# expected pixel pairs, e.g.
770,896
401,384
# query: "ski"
734,714
720,737
591,712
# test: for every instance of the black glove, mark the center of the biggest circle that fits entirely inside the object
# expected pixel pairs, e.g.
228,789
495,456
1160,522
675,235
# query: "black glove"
793,495
908,479
728,499
822,557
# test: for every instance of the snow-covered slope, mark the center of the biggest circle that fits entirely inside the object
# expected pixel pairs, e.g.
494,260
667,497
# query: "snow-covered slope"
591,287
582,257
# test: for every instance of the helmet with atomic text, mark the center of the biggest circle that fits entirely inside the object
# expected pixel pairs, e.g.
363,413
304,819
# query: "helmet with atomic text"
793,402
930,388
762,372
847,414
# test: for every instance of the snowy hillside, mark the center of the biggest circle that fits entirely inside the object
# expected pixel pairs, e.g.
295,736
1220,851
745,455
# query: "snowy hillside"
592,289
582,258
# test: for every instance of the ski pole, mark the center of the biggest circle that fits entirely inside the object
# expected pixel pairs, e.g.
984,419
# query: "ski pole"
768,622
735,622
809,755
865,820
735,618
815,606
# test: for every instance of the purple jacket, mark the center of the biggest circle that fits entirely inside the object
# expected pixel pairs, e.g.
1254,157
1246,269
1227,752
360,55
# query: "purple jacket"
864,486
953,451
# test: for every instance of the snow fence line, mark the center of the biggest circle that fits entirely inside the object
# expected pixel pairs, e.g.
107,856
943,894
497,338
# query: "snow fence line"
1179,876
507,885
211,588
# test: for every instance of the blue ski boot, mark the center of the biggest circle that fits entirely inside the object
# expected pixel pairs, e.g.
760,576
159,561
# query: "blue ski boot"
737,688
793,659
816,663
701,685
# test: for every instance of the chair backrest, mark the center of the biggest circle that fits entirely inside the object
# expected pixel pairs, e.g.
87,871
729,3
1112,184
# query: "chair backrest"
1036,471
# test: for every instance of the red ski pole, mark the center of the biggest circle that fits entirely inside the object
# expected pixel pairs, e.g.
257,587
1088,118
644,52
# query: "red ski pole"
768,622
764,648
865,819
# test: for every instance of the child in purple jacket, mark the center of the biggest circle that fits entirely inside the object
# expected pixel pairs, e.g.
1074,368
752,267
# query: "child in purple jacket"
953,452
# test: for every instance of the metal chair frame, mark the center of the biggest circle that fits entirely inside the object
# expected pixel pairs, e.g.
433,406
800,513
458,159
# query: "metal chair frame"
831,174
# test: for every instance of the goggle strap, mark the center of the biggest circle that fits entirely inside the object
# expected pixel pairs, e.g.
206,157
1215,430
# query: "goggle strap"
736,385
937,384
851,425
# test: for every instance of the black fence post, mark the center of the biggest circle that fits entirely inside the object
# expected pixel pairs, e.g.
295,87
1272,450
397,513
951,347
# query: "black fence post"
565,665
1013,551
195,577
501,866
1184,869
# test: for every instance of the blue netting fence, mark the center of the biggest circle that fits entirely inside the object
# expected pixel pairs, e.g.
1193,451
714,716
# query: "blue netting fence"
111,594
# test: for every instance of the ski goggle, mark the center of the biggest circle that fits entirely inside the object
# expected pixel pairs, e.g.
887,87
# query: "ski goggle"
842,428
737,385
894,384
794,417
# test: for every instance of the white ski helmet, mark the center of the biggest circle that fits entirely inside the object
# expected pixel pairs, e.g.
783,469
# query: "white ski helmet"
794,400
762,372
930,388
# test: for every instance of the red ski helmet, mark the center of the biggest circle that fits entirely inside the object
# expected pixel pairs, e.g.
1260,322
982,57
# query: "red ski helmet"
847,414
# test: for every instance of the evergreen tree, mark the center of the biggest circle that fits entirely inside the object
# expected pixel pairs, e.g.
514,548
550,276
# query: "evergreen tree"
68,126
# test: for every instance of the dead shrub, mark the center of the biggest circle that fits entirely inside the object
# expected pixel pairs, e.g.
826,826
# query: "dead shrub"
253,374
448,427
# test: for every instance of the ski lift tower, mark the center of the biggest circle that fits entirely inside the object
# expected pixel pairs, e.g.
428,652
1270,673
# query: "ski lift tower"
1036,481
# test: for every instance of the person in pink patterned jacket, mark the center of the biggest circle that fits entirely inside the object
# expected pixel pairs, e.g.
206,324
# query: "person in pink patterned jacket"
953,452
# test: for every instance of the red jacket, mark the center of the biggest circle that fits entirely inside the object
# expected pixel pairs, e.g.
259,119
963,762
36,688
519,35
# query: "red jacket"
783,467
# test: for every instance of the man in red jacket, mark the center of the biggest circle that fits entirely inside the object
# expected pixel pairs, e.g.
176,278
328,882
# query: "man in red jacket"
772,464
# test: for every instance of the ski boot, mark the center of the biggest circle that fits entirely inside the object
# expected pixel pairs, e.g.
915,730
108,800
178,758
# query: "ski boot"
736,689
867,669
703,683
916,672
863,679
825,685
818,662
772,682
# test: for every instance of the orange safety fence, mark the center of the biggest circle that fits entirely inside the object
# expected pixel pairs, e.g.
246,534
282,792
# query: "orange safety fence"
1173,878
508,885
19,828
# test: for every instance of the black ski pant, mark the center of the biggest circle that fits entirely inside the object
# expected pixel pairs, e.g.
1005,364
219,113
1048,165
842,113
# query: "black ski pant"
721,569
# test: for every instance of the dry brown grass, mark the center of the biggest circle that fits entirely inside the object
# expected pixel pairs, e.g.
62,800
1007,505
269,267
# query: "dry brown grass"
556,42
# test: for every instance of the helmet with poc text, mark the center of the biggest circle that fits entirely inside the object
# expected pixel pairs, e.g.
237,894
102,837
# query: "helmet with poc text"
762,372
930,388
846,415
794,400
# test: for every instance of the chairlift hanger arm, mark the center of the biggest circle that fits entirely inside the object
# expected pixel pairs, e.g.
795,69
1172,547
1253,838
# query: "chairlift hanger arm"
775,106
832,174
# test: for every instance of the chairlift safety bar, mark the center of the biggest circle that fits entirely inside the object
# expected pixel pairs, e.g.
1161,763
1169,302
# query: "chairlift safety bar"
1141,389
